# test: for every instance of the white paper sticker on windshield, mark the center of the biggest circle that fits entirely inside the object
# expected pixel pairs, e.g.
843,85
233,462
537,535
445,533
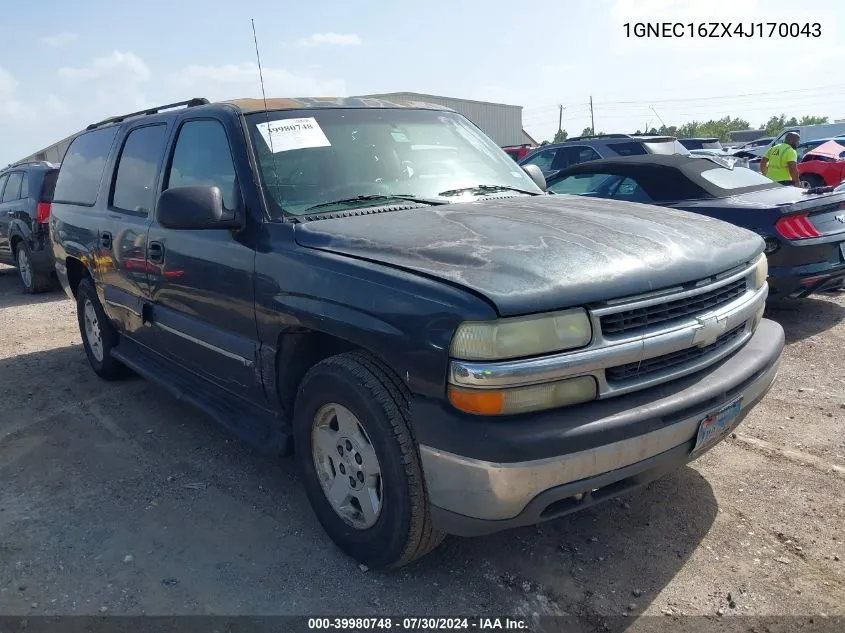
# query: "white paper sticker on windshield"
288,134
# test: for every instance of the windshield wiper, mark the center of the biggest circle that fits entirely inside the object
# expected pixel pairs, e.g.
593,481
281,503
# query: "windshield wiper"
486,189
377,196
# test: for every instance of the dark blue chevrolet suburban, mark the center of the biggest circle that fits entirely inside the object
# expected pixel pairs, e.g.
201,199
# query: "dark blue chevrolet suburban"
379,288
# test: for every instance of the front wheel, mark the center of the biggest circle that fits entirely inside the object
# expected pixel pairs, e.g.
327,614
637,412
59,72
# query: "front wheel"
810,181
360,463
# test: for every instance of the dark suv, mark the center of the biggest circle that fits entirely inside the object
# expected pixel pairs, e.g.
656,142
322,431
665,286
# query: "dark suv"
447,348
26,193
553,158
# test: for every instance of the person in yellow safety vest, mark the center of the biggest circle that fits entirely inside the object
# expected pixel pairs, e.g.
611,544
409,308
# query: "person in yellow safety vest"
781,161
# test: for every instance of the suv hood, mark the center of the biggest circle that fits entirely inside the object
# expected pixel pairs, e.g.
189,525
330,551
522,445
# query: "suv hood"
541,253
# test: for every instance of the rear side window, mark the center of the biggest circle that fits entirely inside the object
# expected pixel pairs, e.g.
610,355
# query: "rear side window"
629,148
137,168
3,180
83,165
13,187
48,185
599,185
202,157
25,184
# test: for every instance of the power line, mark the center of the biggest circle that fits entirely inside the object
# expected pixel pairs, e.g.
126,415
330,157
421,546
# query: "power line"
724,98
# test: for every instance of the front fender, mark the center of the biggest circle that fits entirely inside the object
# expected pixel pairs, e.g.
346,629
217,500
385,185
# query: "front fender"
406,320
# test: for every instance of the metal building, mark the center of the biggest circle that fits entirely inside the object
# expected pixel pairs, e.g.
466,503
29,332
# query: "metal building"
53,153
501,122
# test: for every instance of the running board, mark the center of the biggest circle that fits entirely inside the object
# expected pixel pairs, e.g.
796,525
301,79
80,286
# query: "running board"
267,432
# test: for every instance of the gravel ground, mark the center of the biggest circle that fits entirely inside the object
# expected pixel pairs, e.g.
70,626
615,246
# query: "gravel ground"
118,499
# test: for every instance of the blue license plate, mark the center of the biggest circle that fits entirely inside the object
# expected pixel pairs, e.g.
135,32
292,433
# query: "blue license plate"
713,428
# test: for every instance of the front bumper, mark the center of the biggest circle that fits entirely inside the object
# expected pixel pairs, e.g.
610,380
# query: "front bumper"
488,475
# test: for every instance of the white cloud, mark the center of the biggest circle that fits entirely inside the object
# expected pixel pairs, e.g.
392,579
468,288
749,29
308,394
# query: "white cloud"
59,39
56,107
10,105
232,81
118,66
331,39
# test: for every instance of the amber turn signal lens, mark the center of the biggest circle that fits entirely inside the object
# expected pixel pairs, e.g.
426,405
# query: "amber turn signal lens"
477,401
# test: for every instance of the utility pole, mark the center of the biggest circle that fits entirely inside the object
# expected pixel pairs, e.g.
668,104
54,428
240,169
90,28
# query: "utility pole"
592,117
560,119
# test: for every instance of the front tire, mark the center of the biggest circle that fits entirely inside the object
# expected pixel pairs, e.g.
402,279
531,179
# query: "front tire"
360,463
99,337
810,181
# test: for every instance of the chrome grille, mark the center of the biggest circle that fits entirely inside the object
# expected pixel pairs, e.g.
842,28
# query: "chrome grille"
630,321
645,368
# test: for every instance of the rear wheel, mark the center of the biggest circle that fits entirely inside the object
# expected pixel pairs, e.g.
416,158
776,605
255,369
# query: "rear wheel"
809,181
32,280
360,463
99,336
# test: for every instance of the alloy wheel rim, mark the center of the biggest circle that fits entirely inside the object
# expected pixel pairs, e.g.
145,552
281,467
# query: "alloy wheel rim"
92,331
347,466
24,268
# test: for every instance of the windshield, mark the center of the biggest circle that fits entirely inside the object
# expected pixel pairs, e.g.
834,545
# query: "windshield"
340,158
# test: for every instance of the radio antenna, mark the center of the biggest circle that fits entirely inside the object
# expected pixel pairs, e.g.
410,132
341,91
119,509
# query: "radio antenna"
266,113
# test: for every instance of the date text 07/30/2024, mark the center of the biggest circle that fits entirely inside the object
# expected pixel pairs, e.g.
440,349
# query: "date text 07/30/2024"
717,30
419,624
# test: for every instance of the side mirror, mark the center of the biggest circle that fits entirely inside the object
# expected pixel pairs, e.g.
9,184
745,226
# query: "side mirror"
195,208
536,175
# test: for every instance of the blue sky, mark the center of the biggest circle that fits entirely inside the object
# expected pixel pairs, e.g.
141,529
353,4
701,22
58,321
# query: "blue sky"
89,59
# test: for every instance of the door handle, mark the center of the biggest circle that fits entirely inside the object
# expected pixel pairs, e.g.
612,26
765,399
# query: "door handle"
155,252
105,240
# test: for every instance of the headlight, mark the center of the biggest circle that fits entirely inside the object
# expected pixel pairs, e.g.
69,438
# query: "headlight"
522,336
761,272
548,395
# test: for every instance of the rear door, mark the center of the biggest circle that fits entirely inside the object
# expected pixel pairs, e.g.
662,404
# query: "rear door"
123,228
202,281
10,206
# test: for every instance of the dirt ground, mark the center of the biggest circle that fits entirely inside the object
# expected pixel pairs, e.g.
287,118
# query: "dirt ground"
115,498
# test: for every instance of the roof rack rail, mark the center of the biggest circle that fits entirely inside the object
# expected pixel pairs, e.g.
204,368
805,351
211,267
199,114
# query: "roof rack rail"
190,103
40,163
583,138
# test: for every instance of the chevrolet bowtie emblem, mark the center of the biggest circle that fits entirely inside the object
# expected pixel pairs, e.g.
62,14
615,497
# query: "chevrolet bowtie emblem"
711,328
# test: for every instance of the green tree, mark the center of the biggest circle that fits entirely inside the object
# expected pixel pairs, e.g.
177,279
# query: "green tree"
560,136
587,131
777,124
813,120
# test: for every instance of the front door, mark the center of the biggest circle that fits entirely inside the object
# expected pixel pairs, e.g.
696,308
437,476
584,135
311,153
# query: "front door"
121,260
202,281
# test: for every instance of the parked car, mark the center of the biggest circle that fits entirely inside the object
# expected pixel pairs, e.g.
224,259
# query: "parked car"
552,158
822,165
26,192
807,133
804,235
518,152
764,141
448,348
712,143
806,146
